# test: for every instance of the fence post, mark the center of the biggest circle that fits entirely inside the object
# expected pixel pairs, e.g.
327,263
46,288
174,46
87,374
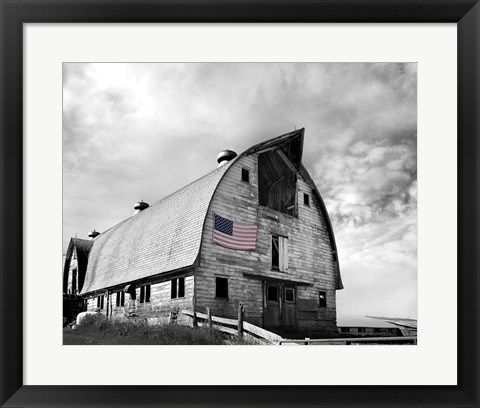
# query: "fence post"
209,313
195,324
240,321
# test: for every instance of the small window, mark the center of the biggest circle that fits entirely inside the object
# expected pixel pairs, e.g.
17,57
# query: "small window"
120,299
361,329
275,253
376,330
177,288
345,329
74,281
279,253
221,288
245,175
173,291
306,199
100,302
322,299
289,295
181,287
272,293
145,294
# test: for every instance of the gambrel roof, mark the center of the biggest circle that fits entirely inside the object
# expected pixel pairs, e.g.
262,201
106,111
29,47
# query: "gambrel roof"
163,237
167,235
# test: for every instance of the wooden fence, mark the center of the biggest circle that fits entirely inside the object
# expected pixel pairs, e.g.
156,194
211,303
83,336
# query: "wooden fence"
238,327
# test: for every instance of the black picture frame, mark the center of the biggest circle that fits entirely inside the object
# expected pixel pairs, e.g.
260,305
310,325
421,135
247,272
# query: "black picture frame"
465,13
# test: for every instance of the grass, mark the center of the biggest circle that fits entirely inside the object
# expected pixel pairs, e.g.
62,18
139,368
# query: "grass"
97,329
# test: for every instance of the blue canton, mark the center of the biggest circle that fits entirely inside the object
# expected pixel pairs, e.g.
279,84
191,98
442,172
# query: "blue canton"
223,225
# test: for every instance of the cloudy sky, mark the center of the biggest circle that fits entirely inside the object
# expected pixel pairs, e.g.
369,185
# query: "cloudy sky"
142,131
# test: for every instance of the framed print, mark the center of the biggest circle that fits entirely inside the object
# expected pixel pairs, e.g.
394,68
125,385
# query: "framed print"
379,84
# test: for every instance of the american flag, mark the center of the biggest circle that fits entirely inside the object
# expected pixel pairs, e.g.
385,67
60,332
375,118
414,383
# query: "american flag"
233,234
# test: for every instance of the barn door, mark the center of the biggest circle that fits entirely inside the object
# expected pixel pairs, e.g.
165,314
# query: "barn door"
280,305
272,298
289,309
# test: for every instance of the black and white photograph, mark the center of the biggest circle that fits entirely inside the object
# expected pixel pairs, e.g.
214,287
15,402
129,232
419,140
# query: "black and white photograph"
239,203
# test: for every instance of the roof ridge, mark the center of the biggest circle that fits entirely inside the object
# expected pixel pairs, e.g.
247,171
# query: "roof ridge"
189,184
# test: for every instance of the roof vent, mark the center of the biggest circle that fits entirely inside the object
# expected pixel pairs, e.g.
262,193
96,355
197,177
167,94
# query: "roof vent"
93,234
139,206
225,156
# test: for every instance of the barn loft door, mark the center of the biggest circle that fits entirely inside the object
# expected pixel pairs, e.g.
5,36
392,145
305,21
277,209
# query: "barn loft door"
277,182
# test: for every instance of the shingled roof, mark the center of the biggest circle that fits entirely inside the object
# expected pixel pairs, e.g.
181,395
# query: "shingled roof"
164,237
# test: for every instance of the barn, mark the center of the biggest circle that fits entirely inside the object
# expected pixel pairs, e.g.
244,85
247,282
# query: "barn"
74,269
254,231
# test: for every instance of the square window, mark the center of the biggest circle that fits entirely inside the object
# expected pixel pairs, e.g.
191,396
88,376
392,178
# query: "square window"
322,298
306,199
245,175
221,288
289,295
272,293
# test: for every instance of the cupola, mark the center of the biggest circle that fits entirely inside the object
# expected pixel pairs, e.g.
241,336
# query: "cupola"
139,206
225,156
93,234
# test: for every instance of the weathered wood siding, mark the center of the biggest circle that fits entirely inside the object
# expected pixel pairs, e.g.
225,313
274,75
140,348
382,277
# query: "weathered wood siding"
159,307
309,255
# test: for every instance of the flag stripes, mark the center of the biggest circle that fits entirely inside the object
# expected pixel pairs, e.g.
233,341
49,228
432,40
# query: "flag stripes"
234,235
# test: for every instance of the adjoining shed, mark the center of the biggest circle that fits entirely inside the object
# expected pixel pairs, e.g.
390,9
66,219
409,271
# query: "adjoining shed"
367,326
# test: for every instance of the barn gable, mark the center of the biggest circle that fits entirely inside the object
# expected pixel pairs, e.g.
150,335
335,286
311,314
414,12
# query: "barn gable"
76,259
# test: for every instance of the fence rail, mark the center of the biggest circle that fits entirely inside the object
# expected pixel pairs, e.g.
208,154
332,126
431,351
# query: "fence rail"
350,341
238,326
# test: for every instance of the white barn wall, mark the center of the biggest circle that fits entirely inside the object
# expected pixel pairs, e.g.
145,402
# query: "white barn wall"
310,257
